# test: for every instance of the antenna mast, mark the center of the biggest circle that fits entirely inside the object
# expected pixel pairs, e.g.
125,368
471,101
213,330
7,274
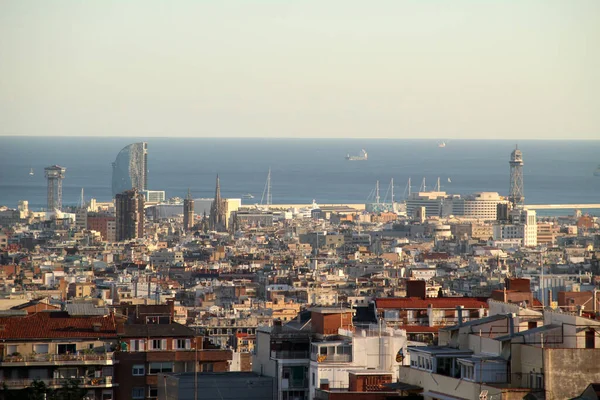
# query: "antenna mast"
377,193
81,200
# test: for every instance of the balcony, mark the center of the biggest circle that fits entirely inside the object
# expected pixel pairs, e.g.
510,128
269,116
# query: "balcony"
330,358
87,383
289,355
58,359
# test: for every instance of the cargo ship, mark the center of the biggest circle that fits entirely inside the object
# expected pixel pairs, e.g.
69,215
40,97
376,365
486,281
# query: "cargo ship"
362,157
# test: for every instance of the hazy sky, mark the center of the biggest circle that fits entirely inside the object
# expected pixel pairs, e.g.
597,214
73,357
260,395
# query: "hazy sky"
527,69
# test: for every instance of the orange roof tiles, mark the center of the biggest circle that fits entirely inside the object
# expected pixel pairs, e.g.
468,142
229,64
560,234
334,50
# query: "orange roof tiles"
56,325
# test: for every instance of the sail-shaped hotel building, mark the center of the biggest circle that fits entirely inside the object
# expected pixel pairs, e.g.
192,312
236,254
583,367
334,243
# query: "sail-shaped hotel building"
130,169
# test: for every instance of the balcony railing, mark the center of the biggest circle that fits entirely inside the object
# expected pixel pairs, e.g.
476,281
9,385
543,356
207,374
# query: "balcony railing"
321,358
58,358
289,354
106,381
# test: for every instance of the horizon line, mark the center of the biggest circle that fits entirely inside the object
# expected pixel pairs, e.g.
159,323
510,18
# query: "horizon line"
298,138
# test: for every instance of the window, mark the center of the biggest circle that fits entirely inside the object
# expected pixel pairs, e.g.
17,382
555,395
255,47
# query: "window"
138,370
152,391
69,348
158,344
313,379
467,372
136,345
11,349
158,367
590,338
138,393
40,348
207,367
182,344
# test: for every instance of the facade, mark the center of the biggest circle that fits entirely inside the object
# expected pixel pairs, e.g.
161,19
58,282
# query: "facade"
130,215
130,169
480,205
55,348
523,227
334,360
283,353
436,204
546,233
188,212
322,348
543,354
153,348
104,224
247,218
209,386
154,196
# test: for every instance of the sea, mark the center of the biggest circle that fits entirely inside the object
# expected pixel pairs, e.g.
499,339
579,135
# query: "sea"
303,170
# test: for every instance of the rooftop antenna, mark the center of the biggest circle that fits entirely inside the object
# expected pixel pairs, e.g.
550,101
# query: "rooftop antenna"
407,189
377,192
392,184
438,186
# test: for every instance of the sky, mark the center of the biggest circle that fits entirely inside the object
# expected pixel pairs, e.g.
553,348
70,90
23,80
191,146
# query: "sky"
461,69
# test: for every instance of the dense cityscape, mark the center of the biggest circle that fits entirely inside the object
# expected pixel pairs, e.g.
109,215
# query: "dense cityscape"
432,296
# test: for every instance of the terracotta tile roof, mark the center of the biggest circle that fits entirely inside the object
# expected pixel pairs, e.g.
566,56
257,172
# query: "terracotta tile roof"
436,302
56,325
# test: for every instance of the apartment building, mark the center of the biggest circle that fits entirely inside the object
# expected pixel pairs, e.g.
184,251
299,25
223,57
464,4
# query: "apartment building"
54,347
155,347
512,353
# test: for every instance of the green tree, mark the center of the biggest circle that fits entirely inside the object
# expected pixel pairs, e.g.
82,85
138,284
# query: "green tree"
69,391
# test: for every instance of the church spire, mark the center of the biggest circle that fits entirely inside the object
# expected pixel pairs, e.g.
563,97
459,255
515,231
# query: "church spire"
217,210
218,190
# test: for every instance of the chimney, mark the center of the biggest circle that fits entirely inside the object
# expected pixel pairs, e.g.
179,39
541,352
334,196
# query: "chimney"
459,312
580,310
511,324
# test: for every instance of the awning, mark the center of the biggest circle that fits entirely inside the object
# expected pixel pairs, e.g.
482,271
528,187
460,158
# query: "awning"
441,396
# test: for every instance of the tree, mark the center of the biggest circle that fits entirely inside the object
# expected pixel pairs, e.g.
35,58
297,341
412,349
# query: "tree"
69,391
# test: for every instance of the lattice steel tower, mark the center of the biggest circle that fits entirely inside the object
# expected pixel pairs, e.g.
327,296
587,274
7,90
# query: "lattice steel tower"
54,174
516,194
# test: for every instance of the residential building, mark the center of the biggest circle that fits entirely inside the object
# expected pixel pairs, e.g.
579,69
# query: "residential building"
129,215
54,347
512,353
214,385
153,348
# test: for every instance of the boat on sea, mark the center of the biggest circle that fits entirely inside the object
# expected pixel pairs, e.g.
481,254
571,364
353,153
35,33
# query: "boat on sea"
247,196
362,157
442,144
31,171
597,171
